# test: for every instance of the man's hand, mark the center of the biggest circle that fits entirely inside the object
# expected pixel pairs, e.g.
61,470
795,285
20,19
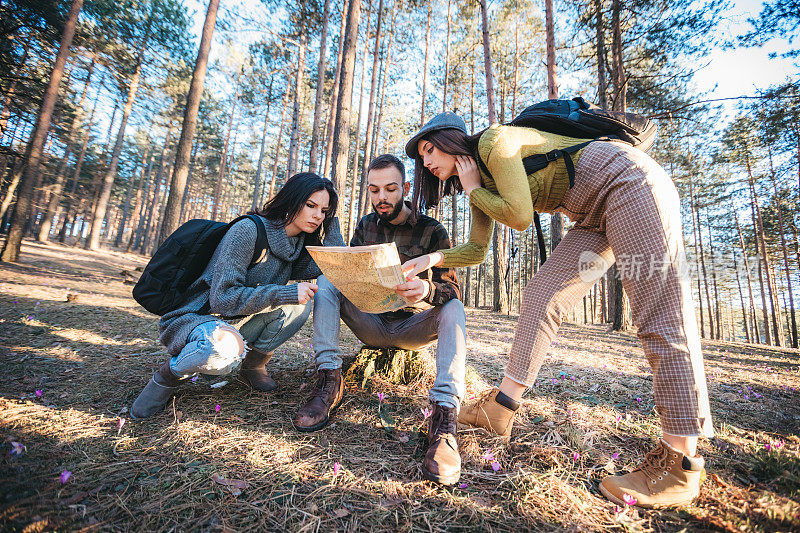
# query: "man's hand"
414,290
305,292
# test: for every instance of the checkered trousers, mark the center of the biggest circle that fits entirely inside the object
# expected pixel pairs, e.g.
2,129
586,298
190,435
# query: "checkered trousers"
626,209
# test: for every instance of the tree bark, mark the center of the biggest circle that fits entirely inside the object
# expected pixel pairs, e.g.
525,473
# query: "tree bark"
183,151
58,184
280,137
299,94
256,203
425,66
33,154
602,89
341,130
93,241
224,156
371,108
332,117
765,257
446,59
620,83
756,336
154,209
356,173
315,129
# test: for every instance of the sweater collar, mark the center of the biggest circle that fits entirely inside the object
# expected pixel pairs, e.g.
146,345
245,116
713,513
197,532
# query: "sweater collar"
280,244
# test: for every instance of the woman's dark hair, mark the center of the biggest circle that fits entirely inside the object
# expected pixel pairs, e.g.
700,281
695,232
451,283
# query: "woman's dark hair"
291,199
428,189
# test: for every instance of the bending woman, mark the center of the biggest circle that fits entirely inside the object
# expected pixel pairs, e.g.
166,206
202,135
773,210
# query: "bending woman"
625,208
238,313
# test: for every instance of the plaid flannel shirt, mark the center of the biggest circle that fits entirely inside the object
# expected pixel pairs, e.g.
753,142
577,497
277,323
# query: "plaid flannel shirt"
418,235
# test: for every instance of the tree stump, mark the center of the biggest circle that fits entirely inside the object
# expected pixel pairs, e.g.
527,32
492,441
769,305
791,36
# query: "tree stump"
401,367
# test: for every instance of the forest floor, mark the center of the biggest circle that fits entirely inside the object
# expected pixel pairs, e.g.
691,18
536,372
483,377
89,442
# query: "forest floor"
71,369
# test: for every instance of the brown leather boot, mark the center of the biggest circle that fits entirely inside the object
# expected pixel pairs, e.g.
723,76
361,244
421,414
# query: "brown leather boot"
156,394
327,396
488,414
254,373
666,478
442,463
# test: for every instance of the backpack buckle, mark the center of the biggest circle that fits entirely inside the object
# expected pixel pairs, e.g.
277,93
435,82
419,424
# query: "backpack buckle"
552,155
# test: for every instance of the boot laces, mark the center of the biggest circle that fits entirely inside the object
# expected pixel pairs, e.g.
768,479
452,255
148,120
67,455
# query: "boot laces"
443,421
655,461
325,384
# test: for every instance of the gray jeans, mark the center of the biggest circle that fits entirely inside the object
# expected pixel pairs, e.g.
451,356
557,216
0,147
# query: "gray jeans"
216,348
446,322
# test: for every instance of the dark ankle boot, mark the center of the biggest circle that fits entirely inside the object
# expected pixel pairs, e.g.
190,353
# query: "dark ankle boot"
442,462
327,396
156,394
254,373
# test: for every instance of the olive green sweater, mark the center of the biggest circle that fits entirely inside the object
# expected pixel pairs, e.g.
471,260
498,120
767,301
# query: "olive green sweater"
509,196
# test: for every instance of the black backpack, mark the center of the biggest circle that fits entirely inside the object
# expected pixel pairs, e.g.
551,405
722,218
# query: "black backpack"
577,118
181,260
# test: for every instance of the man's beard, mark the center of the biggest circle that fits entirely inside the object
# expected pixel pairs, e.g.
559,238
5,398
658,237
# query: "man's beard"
388,217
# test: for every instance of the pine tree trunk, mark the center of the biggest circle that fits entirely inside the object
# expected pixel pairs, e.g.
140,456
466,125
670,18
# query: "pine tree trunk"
224,157
341,129
793,325
332,117
697,228
620,83
183,151
741,298
765,258
755,336
299,94
257,193
146,213
371,108
136,212
356,173
446,60
425,66
33,153
154,206
126,208
714,283
387,62
93,241
602,89
58,185
315,129
280,136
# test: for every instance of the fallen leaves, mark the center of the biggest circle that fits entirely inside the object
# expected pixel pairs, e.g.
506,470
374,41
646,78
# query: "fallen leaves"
236,486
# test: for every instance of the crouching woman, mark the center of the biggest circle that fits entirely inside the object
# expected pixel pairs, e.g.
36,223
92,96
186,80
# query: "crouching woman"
237,313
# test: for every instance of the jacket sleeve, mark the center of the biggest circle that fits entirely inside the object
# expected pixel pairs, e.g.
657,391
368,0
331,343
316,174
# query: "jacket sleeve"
512,205
472,252
228,294
305,267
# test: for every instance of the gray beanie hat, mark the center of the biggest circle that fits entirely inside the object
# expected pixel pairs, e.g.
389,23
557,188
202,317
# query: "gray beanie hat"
442,121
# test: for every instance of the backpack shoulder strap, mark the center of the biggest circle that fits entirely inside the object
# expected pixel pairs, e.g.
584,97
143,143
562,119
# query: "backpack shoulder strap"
261,236
536,220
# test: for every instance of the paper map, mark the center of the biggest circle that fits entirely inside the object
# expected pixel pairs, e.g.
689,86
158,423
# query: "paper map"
366,275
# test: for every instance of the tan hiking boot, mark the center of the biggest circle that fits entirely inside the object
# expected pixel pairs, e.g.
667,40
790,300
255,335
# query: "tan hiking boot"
488,414
666,478
254,373
442,462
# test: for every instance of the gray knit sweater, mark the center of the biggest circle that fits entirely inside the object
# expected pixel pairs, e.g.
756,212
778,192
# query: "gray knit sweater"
233,290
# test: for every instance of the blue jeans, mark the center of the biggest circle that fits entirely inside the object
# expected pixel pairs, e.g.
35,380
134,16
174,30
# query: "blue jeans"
447,323
216,348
